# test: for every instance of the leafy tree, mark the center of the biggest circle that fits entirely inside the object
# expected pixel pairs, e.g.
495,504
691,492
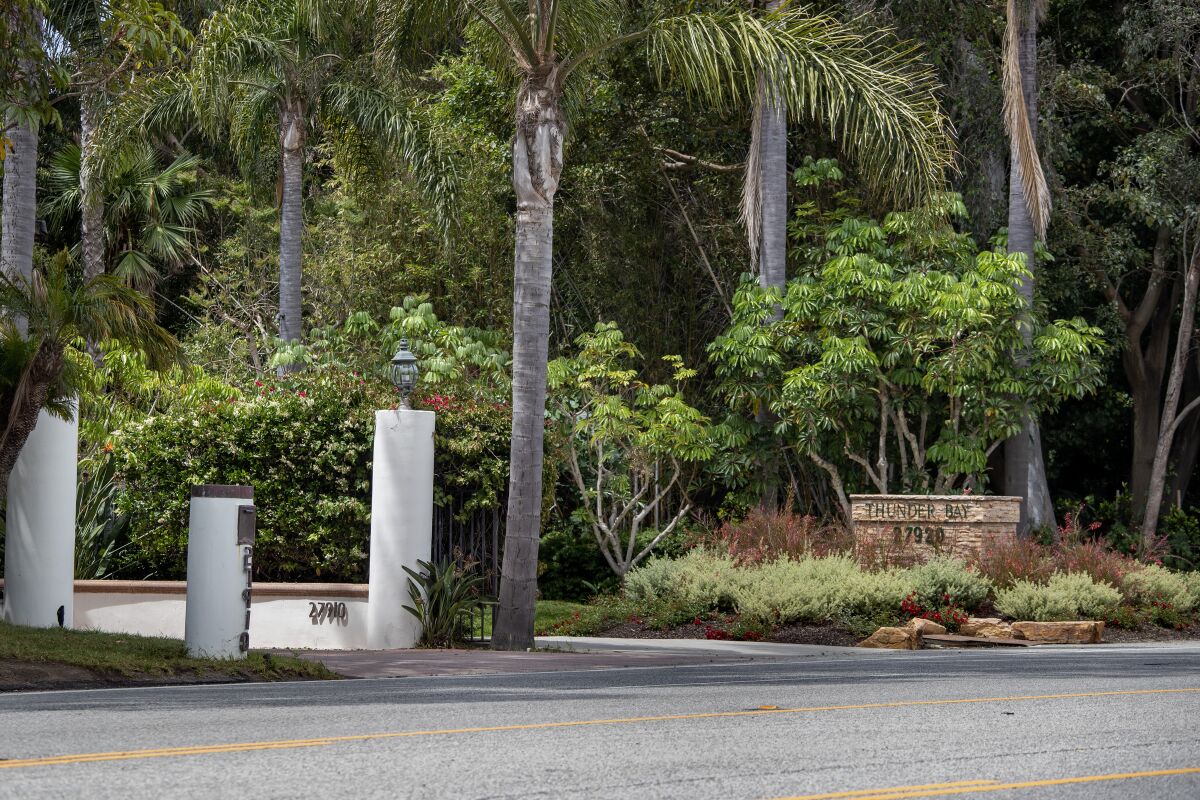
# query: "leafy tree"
632,448
819,68
893,355
107,42
38,368
272,71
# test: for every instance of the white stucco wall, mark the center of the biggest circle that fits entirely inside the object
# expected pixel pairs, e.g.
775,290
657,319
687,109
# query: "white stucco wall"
277,620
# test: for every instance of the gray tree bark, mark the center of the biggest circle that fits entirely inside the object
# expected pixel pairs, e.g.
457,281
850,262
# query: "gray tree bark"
292,135
92,200
771,118
537,166
1170,409
1025,469
20,202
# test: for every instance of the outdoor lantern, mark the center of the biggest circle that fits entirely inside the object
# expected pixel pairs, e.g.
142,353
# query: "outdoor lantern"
404,372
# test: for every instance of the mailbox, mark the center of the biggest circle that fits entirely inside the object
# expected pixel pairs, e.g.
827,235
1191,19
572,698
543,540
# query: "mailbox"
220,565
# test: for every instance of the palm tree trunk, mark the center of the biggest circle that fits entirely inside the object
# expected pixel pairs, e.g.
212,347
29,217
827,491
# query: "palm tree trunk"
771,118
537,165
20,201
89,190
1025,469
291,222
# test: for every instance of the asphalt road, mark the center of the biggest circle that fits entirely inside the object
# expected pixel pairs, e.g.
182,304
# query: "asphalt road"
1112,722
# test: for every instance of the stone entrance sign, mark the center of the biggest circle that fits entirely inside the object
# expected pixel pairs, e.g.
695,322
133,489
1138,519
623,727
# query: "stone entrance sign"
915,527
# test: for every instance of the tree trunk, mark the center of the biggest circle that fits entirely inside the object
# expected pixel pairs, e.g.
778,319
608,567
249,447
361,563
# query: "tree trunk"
26,403
20,202
1187,442
1145,368
1025,470
92,200
537,166
1183,350
771,118
291,222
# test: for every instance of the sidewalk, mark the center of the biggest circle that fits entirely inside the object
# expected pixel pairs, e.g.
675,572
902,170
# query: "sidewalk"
563,653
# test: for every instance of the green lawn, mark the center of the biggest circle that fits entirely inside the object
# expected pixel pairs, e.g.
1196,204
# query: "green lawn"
552,612
124,656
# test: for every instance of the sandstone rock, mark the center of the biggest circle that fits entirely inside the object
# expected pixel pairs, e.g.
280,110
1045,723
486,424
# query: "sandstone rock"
1083,632
986,628
892,639
922,627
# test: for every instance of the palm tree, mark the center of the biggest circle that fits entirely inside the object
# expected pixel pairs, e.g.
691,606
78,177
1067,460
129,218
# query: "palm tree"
150,212
851,82
23,90
271,70
36,368
1028,216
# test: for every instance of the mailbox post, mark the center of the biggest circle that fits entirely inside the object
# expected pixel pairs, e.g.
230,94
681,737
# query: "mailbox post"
220,560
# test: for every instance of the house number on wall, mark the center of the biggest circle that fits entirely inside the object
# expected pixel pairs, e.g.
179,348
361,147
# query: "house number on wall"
328,612
918,534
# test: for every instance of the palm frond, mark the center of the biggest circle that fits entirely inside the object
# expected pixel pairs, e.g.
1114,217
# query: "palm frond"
874,96
1021,15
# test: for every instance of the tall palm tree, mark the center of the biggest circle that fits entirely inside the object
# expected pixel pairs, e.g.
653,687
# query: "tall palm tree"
36,369
22,91
862,90
1028,216
150,212
272,69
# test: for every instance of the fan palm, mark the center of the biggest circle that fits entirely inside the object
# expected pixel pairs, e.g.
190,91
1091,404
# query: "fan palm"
150,212
1028,216
874,99
36,369
272,69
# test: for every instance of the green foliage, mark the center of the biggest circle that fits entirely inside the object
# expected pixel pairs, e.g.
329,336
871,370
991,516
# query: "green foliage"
946,581
820,590
1066,596
1155,586
443,596
305,451
570,566
99,531
633,448
698,583
899,335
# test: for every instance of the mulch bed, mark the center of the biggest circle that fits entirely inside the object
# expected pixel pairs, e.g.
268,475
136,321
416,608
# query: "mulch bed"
835,636
828,635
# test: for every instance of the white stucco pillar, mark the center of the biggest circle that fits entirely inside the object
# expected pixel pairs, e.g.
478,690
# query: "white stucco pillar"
401,522
219,565
39,552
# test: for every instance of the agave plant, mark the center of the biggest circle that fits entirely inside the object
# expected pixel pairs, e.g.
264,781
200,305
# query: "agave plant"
443,596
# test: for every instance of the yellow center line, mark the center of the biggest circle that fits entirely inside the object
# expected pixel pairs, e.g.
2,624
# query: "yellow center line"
866,794
283,744
975,787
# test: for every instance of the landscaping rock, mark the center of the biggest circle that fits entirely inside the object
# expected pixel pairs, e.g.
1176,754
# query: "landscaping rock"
892,639
924,627
986,628
1083,632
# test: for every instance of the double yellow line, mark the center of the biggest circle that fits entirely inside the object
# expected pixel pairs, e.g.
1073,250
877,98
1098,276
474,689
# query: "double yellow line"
975,787
288,744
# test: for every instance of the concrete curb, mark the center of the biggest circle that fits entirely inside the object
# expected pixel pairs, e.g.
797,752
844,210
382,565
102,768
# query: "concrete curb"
597,644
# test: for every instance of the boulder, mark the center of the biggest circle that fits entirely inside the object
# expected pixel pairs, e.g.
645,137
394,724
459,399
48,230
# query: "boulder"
986,628
1082,632
923,627
892,639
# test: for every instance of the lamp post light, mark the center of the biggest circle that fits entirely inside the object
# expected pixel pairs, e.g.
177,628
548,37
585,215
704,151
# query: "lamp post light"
404,372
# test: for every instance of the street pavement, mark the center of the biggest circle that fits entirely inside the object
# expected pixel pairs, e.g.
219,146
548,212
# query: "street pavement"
1053,722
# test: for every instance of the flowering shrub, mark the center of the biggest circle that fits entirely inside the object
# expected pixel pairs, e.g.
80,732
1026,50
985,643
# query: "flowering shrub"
767,535
946,614
1065,596
305,446
949,582
1157,587
1006,562
1095,558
